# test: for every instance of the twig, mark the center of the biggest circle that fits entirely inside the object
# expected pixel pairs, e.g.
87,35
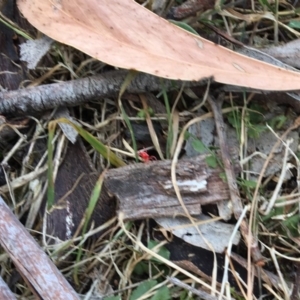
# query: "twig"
75,92
280,181
199,293
250,241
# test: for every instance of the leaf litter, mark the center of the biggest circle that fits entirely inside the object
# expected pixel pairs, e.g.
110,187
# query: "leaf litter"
124,257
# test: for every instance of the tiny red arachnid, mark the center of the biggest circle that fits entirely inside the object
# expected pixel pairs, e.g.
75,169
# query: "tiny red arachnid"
145,156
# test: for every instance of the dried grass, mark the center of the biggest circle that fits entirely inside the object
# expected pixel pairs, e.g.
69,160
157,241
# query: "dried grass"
113,258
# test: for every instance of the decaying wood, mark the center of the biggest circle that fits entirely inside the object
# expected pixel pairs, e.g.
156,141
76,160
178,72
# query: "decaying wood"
146,190
12,70
75,92
30,259
250,241
142,190
74,183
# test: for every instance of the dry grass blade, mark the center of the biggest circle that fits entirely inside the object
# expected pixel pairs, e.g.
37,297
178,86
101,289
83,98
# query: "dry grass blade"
162,259
150,126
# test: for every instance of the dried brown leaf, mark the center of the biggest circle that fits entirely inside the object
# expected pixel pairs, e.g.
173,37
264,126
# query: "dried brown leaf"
127,35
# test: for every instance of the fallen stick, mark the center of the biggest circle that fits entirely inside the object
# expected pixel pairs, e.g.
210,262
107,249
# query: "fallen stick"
250,241
75,92
31,261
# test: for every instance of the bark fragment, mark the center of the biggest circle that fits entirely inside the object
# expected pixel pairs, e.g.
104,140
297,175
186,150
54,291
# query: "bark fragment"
146,190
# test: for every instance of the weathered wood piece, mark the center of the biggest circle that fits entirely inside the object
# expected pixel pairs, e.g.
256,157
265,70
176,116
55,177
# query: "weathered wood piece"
146,190
75,181
32,262
143,190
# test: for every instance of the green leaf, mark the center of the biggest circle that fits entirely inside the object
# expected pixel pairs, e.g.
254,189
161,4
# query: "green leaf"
234,119
199,146
141,268
277,211
267,4
142,289
254,131
292,225
163,251
184,26
112,298
184,295
249,183
96,144
255,116
170,121
14,27
223,176
211,161
129,77
294,24
87,216
278,121
162,294
187,135
142,113
50,191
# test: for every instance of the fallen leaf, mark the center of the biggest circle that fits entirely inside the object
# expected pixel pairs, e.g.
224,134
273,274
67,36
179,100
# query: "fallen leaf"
33,50
215,232
127,35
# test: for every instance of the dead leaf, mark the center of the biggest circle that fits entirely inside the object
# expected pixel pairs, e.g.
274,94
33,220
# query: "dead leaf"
33,50
215,232
127,35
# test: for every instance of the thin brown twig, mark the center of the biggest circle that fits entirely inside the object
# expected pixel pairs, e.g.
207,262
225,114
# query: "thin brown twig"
250,241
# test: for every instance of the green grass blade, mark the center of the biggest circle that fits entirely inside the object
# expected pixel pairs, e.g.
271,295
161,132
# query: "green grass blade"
169,115
96,144
50,191
14,27
184,26
124,85
87,216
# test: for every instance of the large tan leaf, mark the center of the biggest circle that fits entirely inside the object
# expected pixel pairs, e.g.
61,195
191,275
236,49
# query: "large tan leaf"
124,34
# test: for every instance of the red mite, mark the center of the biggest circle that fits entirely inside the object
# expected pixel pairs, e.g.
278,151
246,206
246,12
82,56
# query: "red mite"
145,156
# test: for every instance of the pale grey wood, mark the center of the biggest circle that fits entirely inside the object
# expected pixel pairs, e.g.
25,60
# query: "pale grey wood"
31,261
